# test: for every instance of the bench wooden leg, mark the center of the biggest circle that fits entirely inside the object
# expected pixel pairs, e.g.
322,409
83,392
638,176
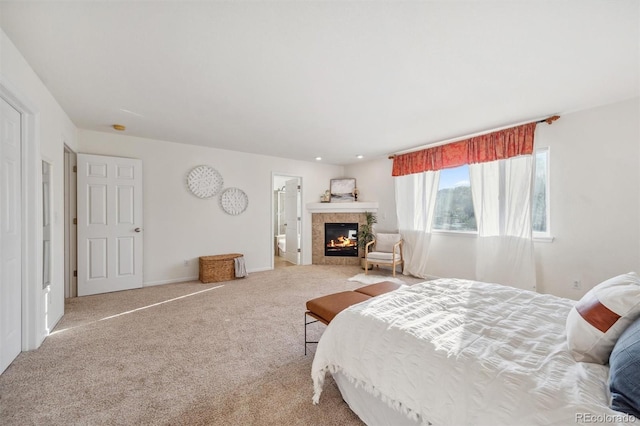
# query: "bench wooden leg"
306,342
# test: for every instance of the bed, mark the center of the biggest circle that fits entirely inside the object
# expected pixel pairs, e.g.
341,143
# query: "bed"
281,245
459,352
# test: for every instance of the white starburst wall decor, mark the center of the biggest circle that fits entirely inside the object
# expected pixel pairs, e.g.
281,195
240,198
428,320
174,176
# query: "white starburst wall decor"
204,181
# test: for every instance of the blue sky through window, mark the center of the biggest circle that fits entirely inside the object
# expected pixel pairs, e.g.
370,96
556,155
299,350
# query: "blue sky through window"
454,205
457,176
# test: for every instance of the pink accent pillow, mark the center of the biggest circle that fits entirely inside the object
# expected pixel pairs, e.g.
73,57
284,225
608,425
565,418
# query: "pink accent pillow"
596,322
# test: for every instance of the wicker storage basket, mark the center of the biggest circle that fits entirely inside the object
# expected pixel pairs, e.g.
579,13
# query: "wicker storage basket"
216,268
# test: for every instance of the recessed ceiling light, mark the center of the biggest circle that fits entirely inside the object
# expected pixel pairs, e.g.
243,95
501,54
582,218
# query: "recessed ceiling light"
119,127
318,158
359,156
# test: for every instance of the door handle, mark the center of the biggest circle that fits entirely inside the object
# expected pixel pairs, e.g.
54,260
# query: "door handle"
137,230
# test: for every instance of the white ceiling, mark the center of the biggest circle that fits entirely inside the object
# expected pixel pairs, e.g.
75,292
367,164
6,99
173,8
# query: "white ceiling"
300,79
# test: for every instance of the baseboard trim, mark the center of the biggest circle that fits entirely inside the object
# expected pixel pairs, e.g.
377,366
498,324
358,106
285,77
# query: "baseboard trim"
249,271
193,278
172,281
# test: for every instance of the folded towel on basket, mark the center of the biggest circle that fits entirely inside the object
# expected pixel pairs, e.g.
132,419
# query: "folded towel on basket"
241,270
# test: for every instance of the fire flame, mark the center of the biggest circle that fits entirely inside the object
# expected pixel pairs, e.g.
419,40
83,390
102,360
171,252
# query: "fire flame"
341,242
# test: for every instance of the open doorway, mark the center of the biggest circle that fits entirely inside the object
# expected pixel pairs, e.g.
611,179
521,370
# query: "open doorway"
287,220
70,242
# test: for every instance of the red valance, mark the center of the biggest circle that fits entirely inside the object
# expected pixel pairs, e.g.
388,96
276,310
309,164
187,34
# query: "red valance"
479,149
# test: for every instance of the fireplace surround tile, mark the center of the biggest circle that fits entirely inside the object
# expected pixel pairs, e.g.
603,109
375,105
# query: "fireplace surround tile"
317,237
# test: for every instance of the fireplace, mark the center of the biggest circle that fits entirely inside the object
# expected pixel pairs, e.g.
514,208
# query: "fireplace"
322,213
341,239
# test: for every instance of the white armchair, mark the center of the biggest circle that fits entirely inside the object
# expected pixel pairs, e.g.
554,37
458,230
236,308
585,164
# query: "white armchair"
385,249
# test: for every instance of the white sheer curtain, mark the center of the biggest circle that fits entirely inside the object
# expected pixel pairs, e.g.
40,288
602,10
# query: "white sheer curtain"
415,204
502,200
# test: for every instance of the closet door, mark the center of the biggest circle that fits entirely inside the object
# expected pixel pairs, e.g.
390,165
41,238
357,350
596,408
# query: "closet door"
292,221
10,235
109,224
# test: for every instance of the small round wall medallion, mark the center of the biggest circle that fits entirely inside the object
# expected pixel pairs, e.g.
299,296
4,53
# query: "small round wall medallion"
204,181
234,201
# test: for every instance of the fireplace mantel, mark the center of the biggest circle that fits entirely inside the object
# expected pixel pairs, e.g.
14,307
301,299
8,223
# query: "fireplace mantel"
356,207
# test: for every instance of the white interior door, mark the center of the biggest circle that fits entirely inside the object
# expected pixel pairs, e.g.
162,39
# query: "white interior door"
109,227
292,220
10,235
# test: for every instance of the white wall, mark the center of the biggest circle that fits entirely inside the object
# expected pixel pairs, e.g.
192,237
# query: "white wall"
53,129
373,180
595,202
179,226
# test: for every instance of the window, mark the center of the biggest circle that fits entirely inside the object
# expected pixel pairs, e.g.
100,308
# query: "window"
454,204
540,202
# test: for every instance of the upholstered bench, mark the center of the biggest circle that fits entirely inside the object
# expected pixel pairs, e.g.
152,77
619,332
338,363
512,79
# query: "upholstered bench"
325,308
374,290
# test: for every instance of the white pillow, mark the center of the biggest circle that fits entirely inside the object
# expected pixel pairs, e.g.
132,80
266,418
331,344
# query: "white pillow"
596,322
385,242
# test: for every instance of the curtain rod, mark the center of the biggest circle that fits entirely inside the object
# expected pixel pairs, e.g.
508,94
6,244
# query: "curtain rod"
548,120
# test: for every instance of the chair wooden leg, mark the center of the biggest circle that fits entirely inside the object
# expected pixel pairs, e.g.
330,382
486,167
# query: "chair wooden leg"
366,266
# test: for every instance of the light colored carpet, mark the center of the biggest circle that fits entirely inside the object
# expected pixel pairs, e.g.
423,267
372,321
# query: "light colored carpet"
373,279
182,354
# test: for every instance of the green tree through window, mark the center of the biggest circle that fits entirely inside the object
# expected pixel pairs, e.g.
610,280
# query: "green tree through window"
540,200
454,203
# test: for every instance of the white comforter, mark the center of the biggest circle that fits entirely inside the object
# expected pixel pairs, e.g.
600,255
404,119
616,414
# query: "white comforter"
457,352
